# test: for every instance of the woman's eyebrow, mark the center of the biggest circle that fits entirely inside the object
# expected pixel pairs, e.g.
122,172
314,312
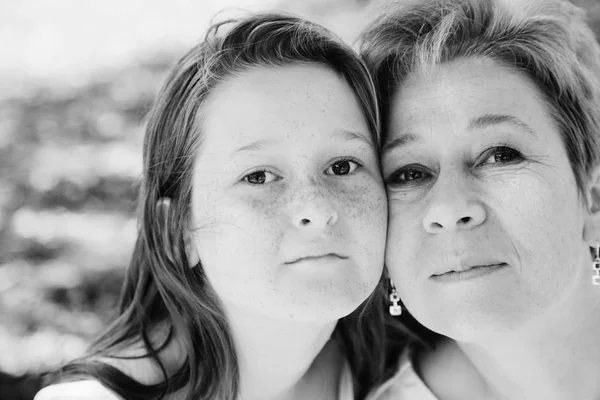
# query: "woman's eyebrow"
480,122
402,140
487,120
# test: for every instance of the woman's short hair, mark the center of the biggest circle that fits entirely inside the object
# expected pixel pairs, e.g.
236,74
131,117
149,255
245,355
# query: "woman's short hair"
547,40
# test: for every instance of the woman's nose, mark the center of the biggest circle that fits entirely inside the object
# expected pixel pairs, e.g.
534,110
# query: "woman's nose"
453,208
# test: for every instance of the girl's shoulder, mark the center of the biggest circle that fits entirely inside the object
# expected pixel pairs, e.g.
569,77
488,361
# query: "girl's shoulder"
133,361
89,389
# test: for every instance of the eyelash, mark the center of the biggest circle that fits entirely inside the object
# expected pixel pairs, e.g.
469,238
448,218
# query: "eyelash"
503,149
346,159
338,161
246,177
392,180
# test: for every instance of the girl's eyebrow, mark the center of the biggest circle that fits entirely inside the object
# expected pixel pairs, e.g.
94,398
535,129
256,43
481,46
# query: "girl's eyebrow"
352,136
343,134
258,145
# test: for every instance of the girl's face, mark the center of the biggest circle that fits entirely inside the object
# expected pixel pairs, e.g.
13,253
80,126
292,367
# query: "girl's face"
485,217
289,206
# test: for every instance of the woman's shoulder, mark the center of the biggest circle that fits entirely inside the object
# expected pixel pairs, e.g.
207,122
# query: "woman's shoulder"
89,389
405,383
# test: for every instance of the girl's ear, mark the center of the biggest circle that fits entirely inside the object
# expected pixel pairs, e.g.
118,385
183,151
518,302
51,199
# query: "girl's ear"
163,206
591,230
191,248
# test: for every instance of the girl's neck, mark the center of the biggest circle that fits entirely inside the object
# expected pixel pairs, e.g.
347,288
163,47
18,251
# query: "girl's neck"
283,360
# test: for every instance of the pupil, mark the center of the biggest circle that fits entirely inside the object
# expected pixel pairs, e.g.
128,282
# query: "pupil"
503,157
341,168
413,175
257,178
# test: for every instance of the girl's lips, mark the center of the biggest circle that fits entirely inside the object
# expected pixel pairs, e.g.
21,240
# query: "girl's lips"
317,257
469,273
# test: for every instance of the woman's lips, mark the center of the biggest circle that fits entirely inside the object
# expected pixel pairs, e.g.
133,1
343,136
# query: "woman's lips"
468,274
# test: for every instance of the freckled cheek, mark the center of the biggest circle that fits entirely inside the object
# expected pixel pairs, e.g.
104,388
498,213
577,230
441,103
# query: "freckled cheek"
256,215
366,205
263,217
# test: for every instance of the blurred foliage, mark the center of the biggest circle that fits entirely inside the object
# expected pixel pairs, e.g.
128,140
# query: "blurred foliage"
69,171
69,167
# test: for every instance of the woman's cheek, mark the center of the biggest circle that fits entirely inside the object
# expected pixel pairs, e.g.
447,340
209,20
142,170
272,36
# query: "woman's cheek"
536,213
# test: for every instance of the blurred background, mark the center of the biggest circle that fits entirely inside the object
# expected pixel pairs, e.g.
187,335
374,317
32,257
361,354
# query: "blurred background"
76,79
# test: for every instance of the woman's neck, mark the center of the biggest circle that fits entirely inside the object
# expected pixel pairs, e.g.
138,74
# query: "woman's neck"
283,359
557,358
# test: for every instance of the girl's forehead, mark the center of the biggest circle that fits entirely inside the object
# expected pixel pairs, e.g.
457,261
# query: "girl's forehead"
269,105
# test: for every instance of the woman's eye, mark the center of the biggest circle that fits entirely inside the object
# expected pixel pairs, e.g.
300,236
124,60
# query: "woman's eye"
408,175
343,167
503,155
260,177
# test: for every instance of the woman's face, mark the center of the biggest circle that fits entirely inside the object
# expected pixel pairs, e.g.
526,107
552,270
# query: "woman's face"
289,205
485,218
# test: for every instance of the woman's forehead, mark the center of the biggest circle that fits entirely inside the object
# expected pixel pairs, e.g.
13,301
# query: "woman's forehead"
466,95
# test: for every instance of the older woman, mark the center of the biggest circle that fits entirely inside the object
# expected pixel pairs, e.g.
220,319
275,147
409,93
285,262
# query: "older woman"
491,160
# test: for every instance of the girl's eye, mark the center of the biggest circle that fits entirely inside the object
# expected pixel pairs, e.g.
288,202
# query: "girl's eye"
502,154
343,167
409,175
260,177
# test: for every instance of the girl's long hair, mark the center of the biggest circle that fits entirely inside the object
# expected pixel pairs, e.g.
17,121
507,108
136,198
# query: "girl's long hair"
160,288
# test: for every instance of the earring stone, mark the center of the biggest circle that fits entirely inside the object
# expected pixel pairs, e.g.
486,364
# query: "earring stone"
395,308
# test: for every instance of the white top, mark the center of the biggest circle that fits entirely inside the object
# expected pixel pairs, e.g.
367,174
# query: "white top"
88,389
405,384
94,390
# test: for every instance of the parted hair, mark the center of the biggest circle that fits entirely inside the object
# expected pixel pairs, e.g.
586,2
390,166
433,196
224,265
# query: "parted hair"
549,41
160,288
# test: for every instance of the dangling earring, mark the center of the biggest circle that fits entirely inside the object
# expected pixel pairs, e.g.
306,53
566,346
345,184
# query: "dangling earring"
395,308
596,265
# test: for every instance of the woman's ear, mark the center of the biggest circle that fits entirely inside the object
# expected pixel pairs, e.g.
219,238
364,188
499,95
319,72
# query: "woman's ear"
163,207
591,230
